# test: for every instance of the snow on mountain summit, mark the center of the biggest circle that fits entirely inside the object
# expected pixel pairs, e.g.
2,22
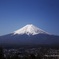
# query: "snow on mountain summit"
30,30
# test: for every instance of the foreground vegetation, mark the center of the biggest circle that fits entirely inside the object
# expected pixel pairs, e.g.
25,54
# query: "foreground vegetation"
29,53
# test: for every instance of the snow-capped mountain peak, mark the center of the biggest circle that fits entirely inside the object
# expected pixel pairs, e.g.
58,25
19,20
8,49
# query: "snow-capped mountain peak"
30,30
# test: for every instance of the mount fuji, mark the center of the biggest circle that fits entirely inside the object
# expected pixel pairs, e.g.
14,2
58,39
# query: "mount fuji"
30,30
29,35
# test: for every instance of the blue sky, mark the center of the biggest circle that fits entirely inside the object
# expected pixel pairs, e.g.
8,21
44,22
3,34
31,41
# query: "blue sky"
15,14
